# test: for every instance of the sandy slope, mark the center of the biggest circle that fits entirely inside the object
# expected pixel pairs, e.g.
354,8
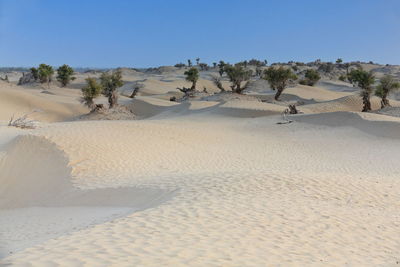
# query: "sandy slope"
252,193
206,183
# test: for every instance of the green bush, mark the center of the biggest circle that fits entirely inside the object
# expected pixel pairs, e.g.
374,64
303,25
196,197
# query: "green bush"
65,73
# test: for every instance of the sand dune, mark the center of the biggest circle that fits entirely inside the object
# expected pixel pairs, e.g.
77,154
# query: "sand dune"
213,181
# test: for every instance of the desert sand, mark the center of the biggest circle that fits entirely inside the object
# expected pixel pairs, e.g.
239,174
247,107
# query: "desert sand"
213,181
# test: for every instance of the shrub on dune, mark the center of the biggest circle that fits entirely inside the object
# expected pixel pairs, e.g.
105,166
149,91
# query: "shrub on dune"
45,73
278,79
64,76
386,85
311,78
364,80
192,75
110,82
237,75
90,92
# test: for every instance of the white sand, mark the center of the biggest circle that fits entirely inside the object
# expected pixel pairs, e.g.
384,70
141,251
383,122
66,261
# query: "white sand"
204,184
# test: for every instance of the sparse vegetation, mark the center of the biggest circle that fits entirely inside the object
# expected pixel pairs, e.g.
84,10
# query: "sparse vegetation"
278,79
65,73
326,67
237,75
203,66
179,65
45,73
91,90
192,75
342,78
221,66
35,73
110,82
311,77
23,122
217,81
386,85
364,80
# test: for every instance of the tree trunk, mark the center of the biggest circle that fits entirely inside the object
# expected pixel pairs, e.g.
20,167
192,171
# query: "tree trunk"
112,99
278,93
366,102
385,101
193,86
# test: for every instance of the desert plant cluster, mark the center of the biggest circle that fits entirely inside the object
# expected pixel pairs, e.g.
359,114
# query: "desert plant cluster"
239,76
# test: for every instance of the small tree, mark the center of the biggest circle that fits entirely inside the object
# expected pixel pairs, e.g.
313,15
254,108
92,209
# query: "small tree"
189,63
221,66
35,73
203,66
364,80
237,74
311,77
278,79
197,61
45,73
192,75
386,85
214,65
65,73
110,82
339,61
91,91
217,81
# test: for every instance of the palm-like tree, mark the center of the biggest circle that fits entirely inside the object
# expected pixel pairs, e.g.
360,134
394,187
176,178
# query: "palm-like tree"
386,85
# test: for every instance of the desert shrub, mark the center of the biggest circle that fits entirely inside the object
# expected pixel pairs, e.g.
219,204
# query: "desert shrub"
339,61
326,67
45,73
342,78
180,65
278,79
364,80
35,73
312,77
192,75
221,66
65,73
203,66
238,74
257,63
110,82
386,85
217,81
91,90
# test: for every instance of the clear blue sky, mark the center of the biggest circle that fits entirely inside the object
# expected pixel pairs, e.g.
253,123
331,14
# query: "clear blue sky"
111,33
